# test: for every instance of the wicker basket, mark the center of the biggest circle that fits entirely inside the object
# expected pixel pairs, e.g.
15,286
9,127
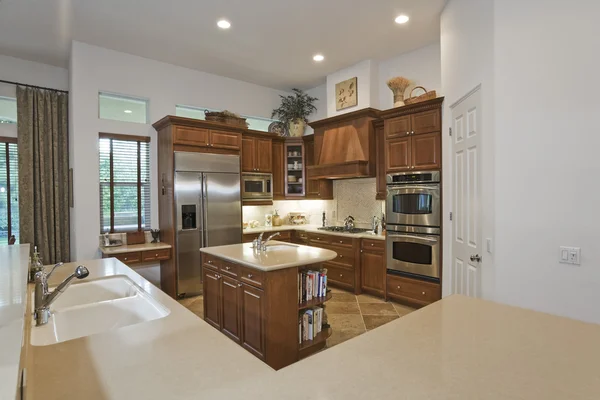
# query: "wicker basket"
424,97
225,119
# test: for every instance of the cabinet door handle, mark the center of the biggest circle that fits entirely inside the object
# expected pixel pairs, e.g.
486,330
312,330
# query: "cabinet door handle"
341,275
156,255
361,251
210,261
408,133
412,132
371,244
341,241
227,268
398,288
423,293
250,276
239,285
125,258
341,256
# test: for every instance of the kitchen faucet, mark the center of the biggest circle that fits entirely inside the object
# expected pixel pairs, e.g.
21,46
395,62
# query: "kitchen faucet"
264,244
43,298
259,244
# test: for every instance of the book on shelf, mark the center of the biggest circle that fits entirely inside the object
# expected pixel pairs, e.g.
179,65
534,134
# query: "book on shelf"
312,284
310,324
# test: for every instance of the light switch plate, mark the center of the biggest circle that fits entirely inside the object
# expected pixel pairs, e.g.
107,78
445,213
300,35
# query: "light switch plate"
488,245
570,255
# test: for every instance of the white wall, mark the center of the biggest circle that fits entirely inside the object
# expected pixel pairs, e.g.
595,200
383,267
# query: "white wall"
96,69
368,91
467,61
320,92
31,73
421,66
547,193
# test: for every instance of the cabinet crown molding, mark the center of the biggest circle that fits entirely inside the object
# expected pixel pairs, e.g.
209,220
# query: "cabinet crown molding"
412,108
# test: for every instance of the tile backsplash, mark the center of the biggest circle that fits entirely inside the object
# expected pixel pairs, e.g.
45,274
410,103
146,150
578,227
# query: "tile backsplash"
354,197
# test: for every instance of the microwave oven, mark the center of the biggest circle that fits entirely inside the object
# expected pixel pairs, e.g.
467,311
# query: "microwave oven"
257,187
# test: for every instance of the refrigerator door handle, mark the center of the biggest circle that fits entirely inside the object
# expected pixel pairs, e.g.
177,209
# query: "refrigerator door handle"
199,216
204,211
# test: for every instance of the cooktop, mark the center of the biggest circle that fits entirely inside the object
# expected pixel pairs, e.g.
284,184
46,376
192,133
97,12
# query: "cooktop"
343,229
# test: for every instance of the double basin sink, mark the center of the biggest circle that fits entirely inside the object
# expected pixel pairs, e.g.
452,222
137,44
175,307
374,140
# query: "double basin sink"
96,306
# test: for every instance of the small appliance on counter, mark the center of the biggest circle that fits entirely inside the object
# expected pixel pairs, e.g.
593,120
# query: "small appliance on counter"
155,235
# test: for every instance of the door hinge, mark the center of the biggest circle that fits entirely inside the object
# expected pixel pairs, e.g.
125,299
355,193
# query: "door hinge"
450,215
450,131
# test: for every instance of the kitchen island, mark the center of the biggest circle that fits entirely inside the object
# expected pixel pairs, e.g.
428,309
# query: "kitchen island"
253,297
456,348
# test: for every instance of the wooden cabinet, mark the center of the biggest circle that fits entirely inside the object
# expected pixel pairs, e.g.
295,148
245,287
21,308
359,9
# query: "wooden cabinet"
315,188
373,266
135,257
397,154
413,291
218,139
295,168
278,170
380,161
253,310
212,297
129,258
231,315
156,255
344,270
426,151
284,236
257,154
413,137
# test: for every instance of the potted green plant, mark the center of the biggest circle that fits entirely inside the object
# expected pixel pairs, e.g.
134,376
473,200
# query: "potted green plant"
294,111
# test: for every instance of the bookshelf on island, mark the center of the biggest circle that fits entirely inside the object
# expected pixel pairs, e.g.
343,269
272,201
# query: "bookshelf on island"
277,315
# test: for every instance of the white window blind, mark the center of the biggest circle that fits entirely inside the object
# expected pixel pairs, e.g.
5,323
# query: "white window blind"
124,183
9,190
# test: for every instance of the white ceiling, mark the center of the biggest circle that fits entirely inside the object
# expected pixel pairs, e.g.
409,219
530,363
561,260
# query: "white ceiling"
271,42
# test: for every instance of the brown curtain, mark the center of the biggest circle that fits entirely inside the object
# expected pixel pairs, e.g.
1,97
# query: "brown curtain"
42,126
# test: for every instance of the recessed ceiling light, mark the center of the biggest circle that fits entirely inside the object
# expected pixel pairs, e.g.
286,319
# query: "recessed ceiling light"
223,24
318,57
402,19
127,111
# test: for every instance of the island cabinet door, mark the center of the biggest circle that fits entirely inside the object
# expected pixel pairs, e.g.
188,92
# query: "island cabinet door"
231,318
253,320
212,297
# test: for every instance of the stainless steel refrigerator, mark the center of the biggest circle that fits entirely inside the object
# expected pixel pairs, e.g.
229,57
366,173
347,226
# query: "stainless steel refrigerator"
208,211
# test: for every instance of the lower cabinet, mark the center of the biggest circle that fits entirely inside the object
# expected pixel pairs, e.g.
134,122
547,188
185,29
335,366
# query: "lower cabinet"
231,314
411,290
372,271
253,318
212,297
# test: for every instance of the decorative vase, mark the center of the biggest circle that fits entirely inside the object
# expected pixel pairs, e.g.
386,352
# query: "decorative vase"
398,86
297,127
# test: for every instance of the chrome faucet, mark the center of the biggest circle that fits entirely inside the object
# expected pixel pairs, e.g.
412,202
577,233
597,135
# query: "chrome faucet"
264,244
44,298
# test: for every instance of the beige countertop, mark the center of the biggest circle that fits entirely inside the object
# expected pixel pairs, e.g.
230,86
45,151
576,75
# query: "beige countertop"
133,247
282,255
311,228
456,348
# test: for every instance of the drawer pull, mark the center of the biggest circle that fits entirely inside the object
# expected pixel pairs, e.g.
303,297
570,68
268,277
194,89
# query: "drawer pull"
341,241
239,285
398,287
408,133
341,256
250,276
227,268
125,258
372,244
423,293
341,275
210,261
156,255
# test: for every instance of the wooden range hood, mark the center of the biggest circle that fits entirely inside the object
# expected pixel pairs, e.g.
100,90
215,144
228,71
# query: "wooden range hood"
344,146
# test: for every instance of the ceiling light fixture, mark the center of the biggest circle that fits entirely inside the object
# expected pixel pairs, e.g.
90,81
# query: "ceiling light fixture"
127,111
402,19
318,57
223,24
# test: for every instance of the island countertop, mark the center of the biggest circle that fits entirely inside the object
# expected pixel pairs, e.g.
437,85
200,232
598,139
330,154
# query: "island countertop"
282,255
456,348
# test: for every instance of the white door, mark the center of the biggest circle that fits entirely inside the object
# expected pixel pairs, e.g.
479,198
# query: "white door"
466,215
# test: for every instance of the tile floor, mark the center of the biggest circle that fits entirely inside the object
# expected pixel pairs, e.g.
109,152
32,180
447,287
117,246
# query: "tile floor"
349,315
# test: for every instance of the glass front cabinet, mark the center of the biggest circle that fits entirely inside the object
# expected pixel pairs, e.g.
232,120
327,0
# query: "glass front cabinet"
295,179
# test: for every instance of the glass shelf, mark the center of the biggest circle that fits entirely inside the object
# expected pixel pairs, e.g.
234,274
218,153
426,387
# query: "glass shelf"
294,167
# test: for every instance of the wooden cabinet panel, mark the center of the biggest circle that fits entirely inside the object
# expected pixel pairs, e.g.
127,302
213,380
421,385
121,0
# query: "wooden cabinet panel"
426,151
319,189
263,157
152,255
212,297
341,241
340,275
252,276
317,238
397,127
191,136
300,237
253,321
129,258
373,271
225,140
284,236
248,154
278,170
229,269
426,122
231,311
397,157
380,163
373,245
413,290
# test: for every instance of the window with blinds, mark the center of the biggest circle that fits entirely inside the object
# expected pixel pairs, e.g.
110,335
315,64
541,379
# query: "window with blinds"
124,183
9,190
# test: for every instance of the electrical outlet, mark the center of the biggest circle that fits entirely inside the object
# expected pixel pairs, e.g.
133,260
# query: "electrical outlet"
570,255
488,245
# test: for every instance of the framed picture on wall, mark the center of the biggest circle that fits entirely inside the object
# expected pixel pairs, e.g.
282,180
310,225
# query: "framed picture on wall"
346,93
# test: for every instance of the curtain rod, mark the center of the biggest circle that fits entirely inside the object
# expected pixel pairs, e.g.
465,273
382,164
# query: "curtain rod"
33,86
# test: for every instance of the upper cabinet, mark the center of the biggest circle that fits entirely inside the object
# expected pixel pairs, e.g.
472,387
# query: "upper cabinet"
413,137
200,135
257,153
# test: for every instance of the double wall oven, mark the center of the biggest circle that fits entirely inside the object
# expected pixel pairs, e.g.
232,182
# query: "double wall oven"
413,211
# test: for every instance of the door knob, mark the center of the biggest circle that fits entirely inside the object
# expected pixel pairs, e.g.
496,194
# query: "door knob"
475,258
